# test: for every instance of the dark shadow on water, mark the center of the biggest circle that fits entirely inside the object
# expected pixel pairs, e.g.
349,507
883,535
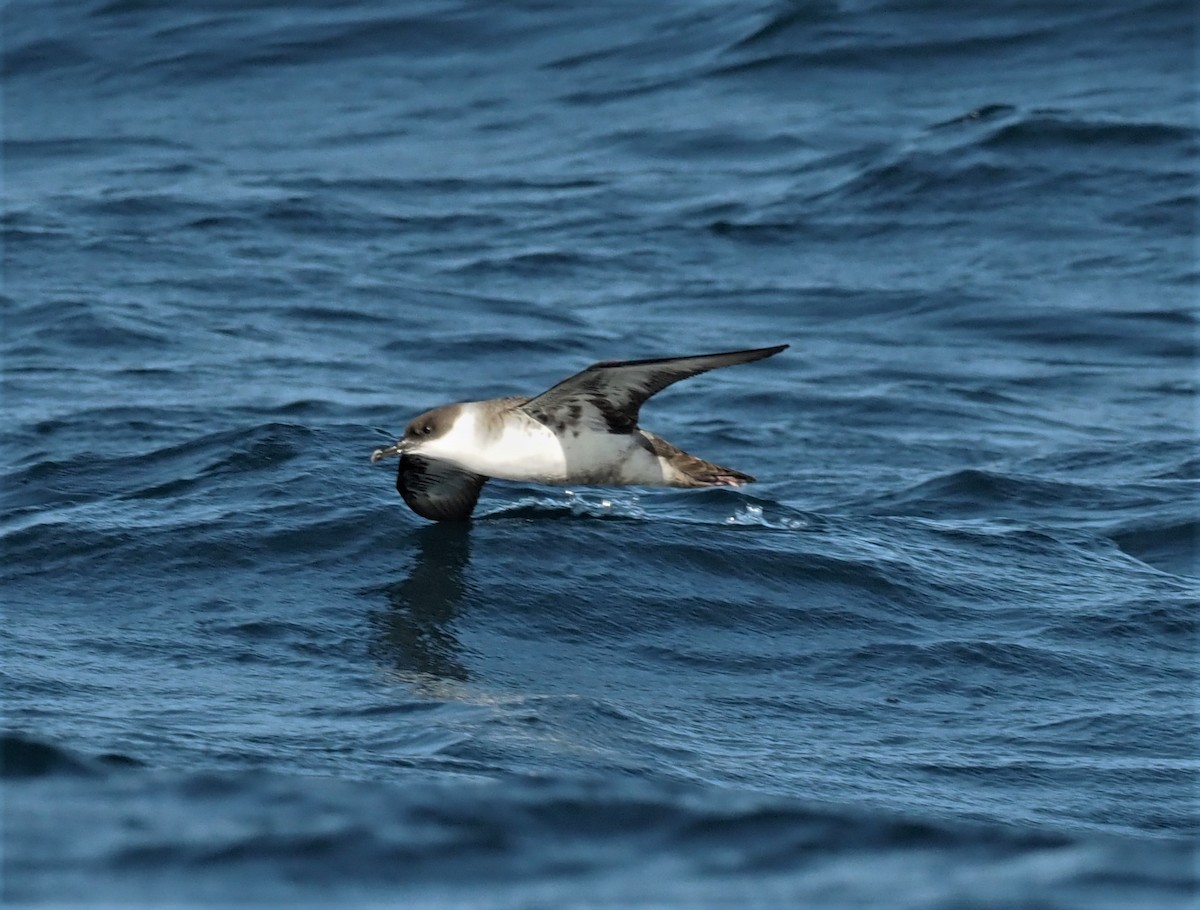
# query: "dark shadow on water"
415,632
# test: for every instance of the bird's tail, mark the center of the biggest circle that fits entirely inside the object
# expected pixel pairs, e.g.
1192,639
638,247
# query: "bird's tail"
686,470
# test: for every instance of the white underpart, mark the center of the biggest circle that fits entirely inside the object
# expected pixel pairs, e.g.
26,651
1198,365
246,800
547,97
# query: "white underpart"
529,451
525,450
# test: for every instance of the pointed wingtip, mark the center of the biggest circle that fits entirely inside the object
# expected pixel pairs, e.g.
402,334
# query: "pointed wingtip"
760,353
745,355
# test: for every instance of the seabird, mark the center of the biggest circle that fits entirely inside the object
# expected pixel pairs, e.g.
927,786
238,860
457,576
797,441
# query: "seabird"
582,431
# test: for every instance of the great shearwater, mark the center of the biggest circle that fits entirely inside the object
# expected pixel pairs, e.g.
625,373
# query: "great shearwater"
582,431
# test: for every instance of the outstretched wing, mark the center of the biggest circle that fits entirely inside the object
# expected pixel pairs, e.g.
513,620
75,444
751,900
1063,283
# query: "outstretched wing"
436,490
609,394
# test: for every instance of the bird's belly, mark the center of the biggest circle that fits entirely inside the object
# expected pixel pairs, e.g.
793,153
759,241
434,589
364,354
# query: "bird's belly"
535,453
529,452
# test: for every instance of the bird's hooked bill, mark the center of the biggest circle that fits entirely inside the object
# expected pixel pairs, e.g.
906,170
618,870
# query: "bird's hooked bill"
387,451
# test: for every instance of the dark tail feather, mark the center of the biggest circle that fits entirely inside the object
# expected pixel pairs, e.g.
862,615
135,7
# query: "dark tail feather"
696,472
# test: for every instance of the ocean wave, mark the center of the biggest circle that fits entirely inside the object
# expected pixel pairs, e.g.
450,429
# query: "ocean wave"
982,493
24,757
276,834
1039,132
1172,544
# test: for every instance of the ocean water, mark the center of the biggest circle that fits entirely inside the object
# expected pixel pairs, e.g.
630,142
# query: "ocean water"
942,655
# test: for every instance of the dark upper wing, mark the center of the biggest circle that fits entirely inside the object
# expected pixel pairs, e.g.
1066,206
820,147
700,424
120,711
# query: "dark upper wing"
609,394
436,490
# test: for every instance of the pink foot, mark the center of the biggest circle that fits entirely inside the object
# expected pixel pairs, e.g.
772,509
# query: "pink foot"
727,480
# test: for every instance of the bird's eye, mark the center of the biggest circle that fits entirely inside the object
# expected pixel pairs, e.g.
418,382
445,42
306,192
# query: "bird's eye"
427,429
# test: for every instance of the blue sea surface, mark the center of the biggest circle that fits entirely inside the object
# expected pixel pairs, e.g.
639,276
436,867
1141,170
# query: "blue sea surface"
942,655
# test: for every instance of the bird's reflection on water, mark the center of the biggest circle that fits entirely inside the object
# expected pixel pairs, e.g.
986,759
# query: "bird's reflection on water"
415,632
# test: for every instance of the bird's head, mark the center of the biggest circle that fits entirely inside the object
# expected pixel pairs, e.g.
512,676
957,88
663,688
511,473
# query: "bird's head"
426,434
